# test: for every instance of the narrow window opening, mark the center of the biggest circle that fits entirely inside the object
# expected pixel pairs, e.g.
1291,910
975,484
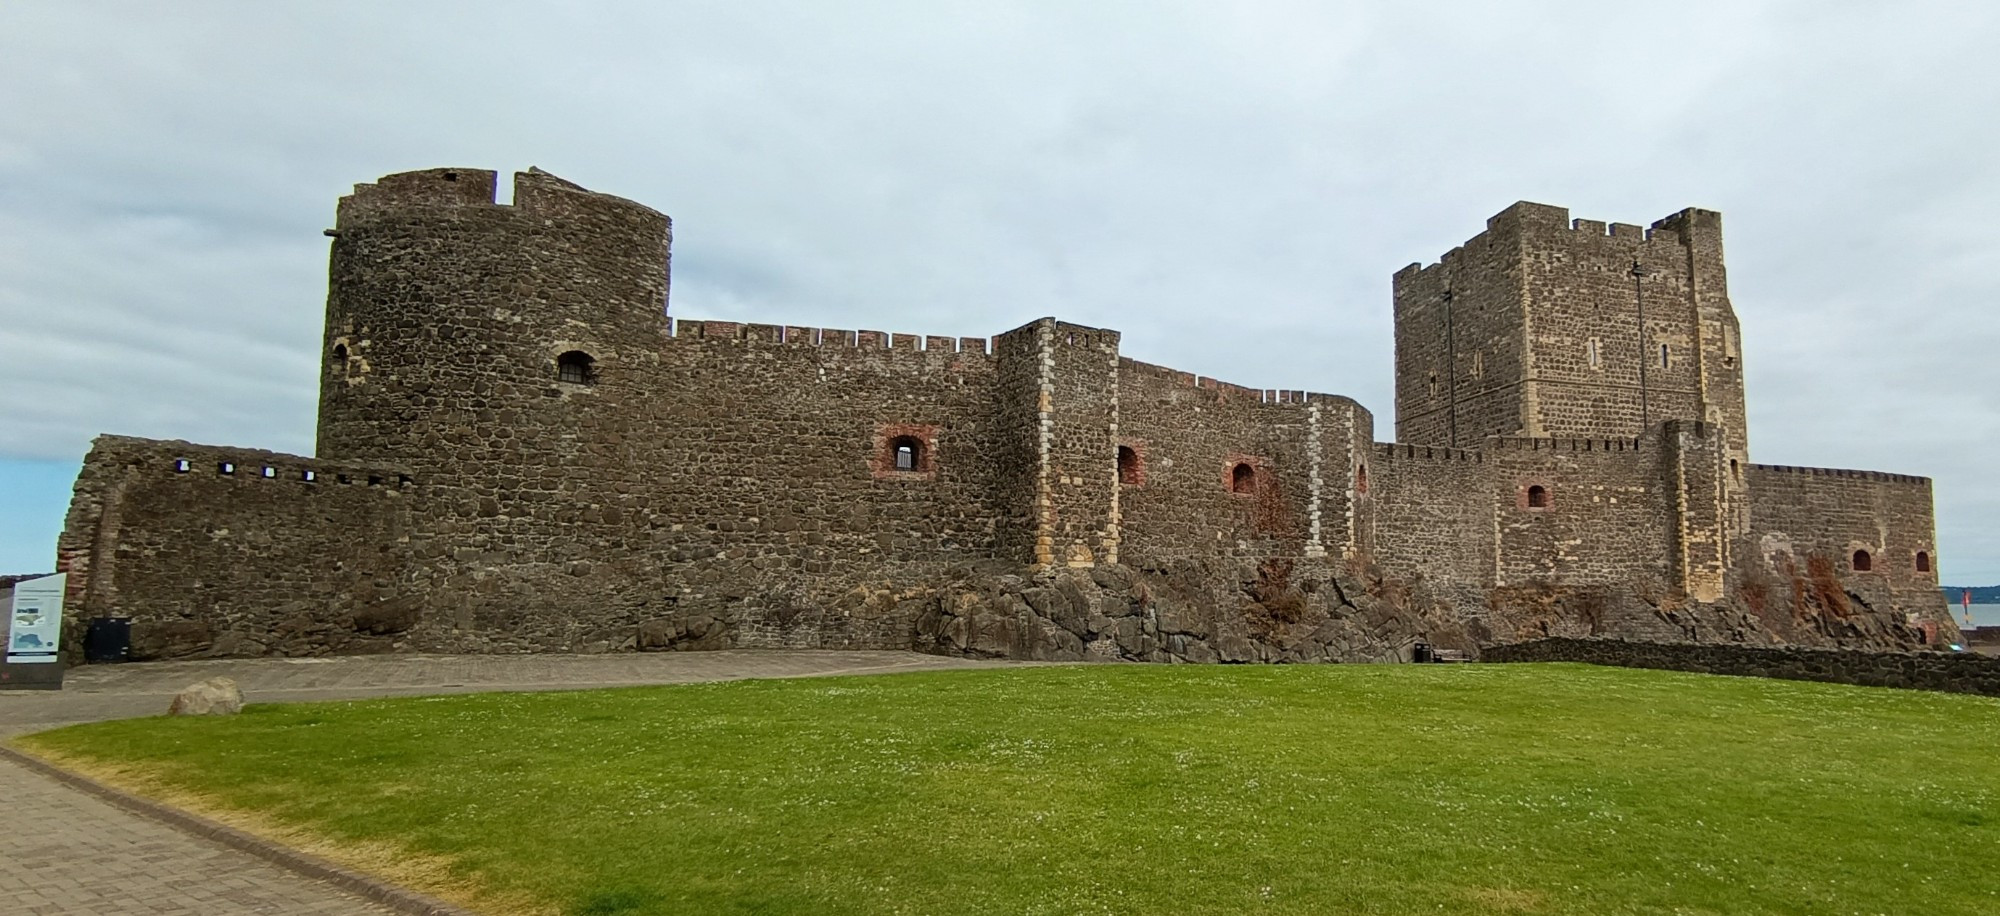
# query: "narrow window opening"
906,453
1590,353
1242,478
1735,470
1663,357
340,353
1361,480
269,472
576,367
309,476
226,467
451,176
1478,365
1129,472
181,465
1538,497
1923,561
1862,561
1434,384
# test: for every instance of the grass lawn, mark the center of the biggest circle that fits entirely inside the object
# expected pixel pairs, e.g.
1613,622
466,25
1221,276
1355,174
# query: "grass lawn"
1124,789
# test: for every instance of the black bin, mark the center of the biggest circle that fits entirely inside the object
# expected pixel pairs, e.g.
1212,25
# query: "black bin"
1421,652
108,639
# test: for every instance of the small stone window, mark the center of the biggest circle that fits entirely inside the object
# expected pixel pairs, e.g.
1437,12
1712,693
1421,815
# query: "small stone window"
340,353
181,465
1361,480
225,467
1130,472
1664,364
1434,384
1538,497
1243,478
1862,561
1923,561
906,453
576,367
1591,354
1735,470
1478,364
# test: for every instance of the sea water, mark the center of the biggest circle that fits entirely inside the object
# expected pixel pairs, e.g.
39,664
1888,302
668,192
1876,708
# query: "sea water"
1983,615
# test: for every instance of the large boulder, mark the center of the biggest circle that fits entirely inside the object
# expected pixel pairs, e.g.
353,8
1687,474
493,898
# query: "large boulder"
217,696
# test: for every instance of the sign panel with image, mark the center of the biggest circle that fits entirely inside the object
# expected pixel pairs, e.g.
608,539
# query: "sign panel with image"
34,623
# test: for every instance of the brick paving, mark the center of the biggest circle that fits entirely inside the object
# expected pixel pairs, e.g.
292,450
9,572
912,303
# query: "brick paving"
68,852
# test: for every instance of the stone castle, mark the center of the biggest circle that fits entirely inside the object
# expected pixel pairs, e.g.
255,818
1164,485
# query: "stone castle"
520,450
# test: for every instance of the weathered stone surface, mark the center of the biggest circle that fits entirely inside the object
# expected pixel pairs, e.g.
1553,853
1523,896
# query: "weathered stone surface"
217,696
518,451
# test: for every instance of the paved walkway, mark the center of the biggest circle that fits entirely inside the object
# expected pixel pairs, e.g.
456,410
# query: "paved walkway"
67,852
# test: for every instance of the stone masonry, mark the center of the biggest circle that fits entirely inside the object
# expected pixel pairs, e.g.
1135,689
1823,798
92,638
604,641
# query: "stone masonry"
521,451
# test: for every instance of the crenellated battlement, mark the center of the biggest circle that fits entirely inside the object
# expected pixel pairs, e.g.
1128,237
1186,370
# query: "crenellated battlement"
445,191
1550,444
1225,391
1876,476
1403,451
798,336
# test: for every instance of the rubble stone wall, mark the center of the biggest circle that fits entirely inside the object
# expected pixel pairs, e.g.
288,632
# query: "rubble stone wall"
1946,671
529,454
239,551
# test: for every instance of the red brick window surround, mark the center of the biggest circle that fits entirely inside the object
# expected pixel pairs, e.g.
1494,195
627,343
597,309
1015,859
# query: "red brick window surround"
904,451
1242,478
1536,496
1131,465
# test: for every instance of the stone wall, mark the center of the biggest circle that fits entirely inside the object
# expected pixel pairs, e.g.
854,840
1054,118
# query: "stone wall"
1948,671
1809,527
529,454
238,551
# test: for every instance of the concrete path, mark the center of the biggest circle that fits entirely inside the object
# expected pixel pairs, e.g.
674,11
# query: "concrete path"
67,852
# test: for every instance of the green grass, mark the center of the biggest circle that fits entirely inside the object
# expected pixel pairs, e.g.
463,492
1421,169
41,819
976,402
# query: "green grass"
1136,789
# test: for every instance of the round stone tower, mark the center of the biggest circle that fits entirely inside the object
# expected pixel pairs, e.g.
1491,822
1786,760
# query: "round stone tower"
474,341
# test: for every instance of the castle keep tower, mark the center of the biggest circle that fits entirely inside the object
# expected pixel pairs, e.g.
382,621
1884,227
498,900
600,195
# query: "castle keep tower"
1543,326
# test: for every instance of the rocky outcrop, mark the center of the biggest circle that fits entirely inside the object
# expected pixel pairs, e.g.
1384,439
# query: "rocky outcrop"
1194,611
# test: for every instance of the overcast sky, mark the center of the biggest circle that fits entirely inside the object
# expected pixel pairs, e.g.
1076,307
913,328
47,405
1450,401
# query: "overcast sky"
1229,184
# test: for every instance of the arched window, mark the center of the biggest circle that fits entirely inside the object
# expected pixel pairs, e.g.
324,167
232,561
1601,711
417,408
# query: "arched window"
576,367
1735,470
340,353
1923,561
1361,480
906,453
1862,561
1538,497
1130,473
1243,478
1663,357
